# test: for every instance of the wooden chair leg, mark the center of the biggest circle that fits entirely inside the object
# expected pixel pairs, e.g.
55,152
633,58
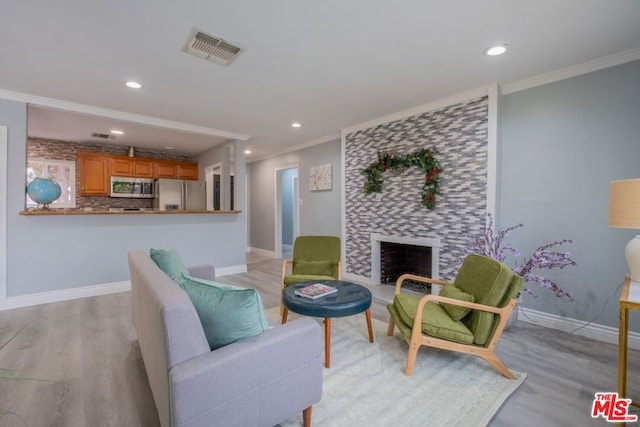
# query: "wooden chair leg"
411,358
285,314
306,417
493,360
392,324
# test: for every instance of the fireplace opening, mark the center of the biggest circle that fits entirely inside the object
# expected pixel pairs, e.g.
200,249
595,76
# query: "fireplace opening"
399,258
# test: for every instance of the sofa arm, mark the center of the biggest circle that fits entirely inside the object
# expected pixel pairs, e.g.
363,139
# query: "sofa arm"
258,381
203,271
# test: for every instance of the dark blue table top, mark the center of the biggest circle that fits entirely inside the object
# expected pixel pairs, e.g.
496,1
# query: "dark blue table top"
349,300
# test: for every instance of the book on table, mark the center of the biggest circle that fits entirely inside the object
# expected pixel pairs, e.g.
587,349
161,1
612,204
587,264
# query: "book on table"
315,290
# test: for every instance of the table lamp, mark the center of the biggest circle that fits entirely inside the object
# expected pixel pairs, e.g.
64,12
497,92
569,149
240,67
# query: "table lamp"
624,212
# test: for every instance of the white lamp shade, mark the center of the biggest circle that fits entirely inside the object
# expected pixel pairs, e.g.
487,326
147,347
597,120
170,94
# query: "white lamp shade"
624,212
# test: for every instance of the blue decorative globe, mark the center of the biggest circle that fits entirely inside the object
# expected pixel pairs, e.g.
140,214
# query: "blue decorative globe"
44,191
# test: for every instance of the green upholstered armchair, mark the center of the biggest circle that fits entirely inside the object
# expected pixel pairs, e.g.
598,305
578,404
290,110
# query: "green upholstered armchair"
314,258
468,316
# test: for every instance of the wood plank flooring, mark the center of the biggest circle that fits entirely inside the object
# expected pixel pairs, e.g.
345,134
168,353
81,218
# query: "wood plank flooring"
77,363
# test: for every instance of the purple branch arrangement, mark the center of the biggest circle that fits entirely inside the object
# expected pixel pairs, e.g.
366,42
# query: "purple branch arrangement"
492,245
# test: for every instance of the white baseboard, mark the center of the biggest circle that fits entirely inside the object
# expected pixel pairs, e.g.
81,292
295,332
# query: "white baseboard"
65,295
578,327
263,252
234,269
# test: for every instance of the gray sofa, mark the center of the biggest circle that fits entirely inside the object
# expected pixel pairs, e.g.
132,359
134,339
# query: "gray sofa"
257,381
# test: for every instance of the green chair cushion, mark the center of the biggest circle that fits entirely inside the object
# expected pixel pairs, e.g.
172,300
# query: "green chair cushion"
292,279
168,260
455,311
316,248
435,320
488,281
227,315
316,268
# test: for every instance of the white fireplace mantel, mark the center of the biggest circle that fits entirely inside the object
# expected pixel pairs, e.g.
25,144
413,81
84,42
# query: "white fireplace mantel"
433,242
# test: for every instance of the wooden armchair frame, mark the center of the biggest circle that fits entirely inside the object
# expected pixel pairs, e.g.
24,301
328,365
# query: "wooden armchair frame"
418,339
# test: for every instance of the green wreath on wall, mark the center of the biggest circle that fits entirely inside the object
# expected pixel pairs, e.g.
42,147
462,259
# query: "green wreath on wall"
390,161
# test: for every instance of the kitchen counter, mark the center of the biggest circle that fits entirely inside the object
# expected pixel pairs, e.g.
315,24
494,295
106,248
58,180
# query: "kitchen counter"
45,212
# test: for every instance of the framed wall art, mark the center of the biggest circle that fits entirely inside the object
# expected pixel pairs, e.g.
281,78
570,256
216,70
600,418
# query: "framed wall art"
320,178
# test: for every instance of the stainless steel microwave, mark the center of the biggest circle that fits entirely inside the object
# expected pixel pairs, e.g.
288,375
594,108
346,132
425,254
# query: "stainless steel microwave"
132,187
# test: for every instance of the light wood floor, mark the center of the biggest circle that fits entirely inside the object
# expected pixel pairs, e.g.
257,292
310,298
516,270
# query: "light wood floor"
78,363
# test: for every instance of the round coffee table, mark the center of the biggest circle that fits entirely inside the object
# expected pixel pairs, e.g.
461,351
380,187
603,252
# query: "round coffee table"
350,299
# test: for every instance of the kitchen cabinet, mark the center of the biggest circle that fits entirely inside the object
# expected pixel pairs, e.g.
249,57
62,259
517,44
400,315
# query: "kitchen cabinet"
165,169
142,168
94,174
175,170
127,166
119,166
188,171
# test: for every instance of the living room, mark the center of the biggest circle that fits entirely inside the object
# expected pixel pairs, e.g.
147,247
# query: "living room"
555,140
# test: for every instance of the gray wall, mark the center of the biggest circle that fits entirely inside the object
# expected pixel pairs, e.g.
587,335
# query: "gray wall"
320,210
48,253
562,143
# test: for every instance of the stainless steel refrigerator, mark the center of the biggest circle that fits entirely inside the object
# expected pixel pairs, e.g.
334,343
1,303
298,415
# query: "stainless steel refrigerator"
179,195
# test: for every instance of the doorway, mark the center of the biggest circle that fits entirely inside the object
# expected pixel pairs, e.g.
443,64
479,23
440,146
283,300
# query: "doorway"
216,190
287,211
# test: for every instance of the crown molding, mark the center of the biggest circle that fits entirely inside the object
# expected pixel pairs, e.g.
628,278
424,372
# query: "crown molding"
573,71
57,104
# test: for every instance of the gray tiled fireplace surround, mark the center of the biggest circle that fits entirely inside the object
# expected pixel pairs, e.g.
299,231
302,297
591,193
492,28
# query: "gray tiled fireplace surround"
458,133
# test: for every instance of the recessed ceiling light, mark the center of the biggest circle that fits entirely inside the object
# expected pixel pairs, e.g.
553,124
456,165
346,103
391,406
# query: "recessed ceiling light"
496,50
247,151
169,148
295,125
117,132
134,85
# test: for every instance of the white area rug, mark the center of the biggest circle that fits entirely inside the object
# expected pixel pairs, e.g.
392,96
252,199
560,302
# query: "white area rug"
365,385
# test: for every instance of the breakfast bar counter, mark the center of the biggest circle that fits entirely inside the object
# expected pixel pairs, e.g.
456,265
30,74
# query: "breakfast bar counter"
58,212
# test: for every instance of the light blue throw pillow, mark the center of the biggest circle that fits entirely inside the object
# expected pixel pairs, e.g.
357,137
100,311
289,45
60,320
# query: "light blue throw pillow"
169,261
227,315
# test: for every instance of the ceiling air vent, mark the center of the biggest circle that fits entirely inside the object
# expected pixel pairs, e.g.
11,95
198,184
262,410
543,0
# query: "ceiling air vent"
102,135
211,48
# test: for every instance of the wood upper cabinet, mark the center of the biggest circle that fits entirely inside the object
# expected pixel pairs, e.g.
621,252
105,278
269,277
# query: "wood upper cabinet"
142,168
94,174
162,169
128,166
120,166
188,171
175,170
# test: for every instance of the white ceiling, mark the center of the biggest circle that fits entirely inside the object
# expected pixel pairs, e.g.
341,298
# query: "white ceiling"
328,64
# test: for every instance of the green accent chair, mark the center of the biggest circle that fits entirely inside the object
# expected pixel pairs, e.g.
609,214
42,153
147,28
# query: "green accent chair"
468,316
314,258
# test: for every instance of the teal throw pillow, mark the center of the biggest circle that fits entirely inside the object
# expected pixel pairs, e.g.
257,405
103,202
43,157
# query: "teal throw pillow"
169,261
455,311
227,315
218,285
